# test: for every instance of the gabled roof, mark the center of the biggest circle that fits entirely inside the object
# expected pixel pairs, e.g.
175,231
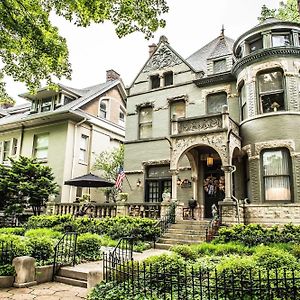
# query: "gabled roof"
220,46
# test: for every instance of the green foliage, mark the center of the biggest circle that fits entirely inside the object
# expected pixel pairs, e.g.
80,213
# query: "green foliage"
32,50
43,232
287,11
7,270
26,178
109,163
45,221
88,246
185,251
17,241
41,248
12,230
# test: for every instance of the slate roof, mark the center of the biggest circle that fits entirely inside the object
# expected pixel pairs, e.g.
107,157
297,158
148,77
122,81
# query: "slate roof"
220,46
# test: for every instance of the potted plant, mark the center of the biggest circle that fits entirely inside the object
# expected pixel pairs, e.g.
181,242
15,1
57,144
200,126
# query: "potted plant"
7,276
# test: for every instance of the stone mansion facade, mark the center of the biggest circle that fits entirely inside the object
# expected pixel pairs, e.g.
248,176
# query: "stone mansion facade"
220,127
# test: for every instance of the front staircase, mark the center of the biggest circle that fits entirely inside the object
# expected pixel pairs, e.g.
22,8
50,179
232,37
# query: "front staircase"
183,232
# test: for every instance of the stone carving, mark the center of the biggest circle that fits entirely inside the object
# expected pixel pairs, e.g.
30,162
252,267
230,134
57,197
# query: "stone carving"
247,149
293,93
289,144
156,162
251,99
163,58
214,140
200,125
234,128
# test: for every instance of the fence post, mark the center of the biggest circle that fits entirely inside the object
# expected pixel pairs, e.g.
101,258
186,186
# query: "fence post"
25,271
122,209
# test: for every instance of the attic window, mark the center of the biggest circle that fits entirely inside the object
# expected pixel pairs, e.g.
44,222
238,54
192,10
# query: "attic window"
103,109
256,45
220,66
168,78
155,81
281,39
46,104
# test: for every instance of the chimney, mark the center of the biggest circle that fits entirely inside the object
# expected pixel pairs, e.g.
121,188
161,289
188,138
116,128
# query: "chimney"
152,49
112,75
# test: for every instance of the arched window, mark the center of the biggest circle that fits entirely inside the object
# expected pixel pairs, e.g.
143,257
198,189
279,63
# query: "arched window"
276,174
243,102
271,93
215,102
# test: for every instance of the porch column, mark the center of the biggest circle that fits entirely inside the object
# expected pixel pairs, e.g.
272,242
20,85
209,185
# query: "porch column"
228,182
174,185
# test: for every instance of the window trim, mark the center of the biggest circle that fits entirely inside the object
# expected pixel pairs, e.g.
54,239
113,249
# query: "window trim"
290,175
166,74
144,123
83,150
155,76
214,93
34,148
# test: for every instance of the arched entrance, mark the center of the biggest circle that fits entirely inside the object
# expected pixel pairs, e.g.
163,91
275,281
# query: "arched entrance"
207,178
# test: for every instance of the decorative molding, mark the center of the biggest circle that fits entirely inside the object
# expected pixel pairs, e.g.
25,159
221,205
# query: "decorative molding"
213,79
289,144
162,58
251,99
293,93
156,162
178,98
247,149
134,172
198,125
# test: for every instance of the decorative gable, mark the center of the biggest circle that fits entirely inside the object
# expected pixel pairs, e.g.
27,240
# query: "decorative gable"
162,58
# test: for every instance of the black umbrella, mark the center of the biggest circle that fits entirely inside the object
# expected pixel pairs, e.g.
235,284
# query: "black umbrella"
89,180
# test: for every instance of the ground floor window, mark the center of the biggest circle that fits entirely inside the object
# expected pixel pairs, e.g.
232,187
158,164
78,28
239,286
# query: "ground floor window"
276,175
157,182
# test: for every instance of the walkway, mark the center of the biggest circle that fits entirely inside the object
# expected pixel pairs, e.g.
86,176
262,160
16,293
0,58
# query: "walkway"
44,291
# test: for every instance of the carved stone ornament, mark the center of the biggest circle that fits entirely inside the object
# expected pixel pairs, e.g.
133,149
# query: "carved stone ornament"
289,144
200,125
215,140
163,58
156,162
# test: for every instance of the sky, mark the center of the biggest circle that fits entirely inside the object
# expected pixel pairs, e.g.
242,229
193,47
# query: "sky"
190,25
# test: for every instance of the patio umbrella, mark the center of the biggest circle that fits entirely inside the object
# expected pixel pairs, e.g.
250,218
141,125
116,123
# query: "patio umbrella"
89,180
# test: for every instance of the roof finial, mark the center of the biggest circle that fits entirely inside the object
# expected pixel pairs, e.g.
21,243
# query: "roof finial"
222,30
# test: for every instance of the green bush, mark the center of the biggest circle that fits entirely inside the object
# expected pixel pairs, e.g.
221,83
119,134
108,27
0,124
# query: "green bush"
18,242
45,221
41,248
43,232
7,270
185,251
88,246
12,230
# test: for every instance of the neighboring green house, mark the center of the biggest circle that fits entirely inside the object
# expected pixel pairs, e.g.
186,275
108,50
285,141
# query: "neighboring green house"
220,125
66,129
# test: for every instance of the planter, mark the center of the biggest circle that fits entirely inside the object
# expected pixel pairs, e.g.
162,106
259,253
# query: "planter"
6,281
43,273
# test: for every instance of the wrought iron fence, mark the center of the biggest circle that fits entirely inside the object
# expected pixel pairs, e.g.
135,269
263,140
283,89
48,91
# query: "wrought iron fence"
7,253
189,283
64,252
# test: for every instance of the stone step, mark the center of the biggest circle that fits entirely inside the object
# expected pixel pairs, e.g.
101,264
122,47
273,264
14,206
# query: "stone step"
163,246
186,231
189,226
71,273
163,240
193,222
71,281
180,236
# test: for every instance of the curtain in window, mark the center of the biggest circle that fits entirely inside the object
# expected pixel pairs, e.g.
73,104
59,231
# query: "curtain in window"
276,175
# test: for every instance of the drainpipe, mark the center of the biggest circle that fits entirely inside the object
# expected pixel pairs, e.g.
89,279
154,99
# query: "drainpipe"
74,151
21,139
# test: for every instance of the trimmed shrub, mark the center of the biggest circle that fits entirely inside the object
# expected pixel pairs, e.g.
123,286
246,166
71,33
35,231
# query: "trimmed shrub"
45,221
185,251
43,232
7,270
17,241
12,230
41,248
88,246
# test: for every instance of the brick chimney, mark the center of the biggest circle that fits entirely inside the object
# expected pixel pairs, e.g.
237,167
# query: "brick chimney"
152,48
112,75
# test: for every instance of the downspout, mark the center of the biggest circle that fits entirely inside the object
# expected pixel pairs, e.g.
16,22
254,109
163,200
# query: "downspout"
74,151
21,139
90,148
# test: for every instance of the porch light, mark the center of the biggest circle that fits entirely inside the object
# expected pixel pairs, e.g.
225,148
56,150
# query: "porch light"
209,160
138,183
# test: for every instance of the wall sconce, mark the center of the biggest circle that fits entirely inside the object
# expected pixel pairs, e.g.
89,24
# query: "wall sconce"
209,160
179,181
138,183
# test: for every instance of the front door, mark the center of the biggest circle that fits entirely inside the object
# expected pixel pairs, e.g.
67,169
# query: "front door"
214,187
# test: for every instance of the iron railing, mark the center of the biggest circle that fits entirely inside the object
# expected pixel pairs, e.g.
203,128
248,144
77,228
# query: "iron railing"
145,210
7,253
161,281
64,252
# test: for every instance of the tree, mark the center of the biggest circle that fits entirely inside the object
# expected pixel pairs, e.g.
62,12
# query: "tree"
32,49
26,181
287,11
109,163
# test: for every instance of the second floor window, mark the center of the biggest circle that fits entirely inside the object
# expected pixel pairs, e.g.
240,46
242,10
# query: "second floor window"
215,102
6,150
121,117
83,151
271,94
103,109
178,109
145,122
243,102
40,148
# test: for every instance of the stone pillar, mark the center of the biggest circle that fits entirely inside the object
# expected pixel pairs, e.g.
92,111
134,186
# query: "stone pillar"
25,271
93,278
122,209
267,39
179,211
228,213
174,185
164,209
228,182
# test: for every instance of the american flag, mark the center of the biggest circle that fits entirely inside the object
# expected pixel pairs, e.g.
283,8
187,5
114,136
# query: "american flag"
120,178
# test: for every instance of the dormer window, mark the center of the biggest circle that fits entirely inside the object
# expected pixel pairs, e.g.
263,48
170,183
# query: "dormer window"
256,45
46,104
271,94
280,39
59,100
155,81
168,78
219,66
34,106
103,109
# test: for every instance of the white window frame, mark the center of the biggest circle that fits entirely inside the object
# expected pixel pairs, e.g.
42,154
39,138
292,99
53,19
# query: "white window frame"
83,149
36,148
106,111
